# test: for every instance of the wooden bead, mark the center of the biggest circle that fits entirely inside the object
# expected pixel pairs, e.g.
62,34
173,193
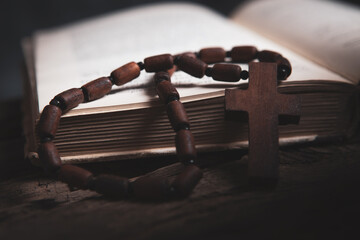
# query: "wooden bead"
74,176
49,121
166,91
158,63
125,73
112,186
49,157
212,55
70,98
243,54
268,56
177,115
186,181
226,72
175,68
97,88
185,147
151,188
192,66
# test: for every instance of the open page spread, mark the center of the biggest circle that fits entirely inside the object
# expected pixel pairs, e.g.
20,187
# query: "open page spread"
326,32
73,55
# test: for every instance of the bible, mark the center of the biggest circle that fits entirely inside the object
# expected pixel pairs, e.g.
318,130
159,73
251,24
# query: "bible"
131,122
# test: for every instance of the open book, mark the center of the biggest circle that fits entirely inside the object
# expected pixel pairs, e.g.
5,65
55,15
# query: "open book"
323,48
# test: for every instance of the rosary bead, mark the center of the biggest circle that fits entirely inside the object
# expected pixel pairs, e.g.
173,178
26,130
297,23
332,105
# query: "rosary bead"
141,65
228,54
192,66
243,54
111,79
159,63
49,121
212,55
55,102
75,176
185,147
186,181
268,56
284,68
208,71
244,74
177,115
151,188
112,186
226,72
70,98
97,88
167,92
49,157
173,98
125,73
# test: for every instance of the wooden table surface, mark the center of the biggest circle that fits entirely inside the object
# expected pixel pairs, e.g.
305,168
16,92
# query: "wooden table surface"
317,197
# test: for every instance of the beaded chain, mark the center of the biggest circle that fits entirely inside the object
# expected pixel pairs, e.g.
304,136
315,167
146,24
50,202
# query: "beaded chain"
153,188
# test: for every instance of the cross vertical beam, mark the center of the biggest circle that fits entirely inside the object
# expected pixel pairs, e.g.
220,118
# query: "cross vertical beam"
263,104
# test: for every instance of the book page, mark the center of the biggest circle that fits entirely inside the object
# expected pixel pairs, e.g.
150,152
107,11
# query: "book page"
73,55
326,32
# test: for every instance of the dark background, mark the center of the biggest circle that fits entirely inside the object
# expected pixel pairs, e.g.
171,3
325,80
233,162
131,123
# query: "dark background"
317,197
20,18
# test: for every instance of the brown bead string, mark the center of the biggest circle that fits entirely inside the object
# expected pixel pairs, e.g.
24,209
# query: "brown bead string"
153,188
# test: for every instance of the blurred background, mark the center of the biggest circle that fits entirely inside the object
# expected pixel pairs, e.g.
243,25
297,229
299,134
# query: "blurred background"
20,18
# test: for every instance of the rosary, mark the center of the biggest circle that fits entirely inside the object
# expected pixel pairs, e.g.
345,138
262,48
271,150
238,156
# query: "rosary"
195,64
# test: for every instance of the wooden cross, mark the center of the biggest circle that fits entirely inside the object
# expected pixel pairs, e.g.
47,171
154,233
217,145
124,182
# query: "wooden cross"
263,104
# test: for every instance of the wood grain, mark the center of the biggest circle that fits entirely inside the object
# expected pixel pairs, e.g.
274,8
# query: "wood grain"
70,98
49,121
125,73
243,54
317,197
317,187
97,88
212,55
192,66
263,104
226,72
159,63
